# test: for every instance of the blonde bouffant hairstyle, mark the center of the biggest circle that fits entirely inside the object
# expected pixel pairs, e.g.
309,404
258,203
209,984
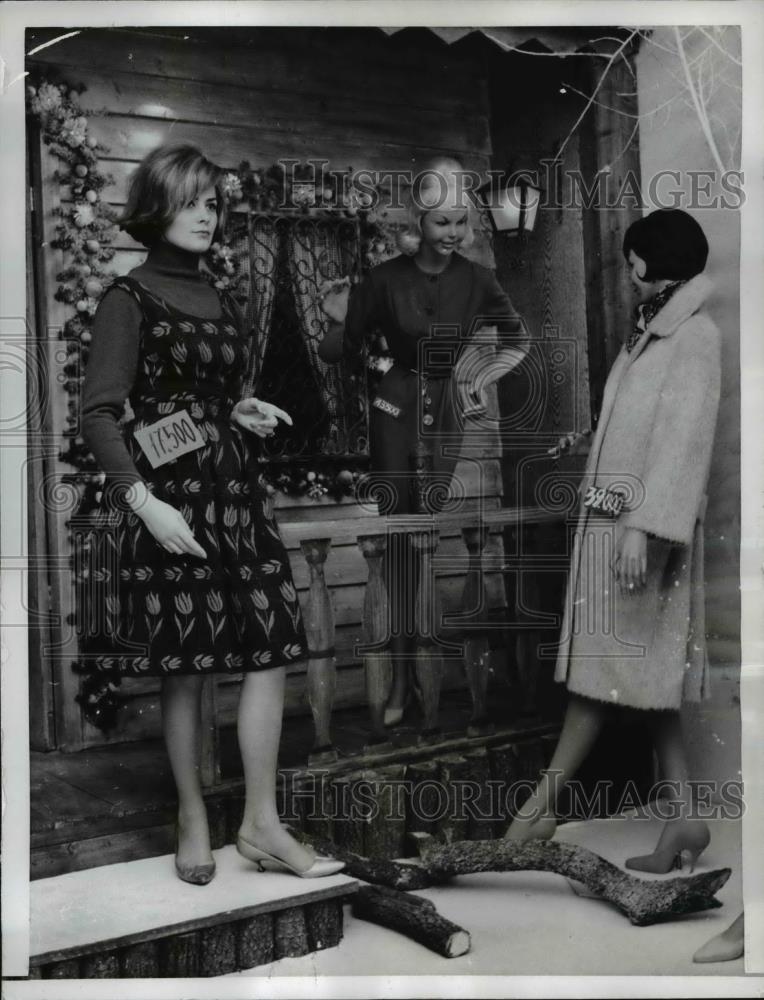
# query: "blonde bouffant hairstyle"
428,194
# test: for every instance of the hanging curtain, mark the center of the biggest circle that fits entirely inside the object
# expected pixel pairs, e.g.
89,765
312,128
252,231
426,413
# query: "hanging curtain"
264,239
316,252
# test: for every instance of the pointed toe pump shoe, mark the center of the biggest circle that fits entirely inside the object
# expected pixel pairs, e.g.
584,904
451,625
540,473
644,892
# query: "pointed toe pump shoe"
681,846
268,862
193,874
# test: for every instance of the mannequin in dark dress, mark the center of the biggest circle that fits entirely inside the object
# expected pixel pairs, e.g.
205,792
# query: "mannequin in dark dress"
428,296
204,583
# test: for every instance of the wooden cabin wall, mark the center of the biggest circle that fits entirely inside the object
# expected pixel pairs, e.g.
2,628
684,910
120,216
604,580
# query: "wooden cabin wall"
356,98
544,272
568,279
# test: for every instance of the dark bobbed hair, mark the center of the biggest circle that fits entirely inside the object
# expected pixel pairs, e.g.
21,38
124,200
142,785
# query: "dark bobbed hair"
670,242
166,180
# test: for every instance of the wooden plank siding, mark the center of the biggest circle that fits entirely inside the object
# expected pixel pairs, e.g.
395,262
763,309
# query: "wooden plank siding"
355,98
71,729
41,703
544,273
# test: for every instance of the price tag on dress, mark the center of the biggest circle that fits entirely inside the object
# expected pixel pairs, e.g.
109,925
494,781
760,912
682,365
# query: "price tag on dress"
169,438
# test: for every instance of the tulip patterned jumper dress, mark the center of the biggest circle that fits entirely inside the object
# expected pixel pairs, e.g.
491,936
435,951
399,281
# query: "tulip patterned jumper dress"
147,611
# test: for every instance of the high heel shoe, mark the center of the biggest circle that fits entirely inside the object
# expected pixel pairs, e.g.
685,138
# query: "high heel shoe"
685,844
725,947
394,716
268,862
193,874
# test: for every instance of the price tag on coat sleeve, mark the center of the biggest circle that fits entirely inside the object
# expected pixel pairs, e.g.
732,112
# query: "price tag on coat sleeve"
169,438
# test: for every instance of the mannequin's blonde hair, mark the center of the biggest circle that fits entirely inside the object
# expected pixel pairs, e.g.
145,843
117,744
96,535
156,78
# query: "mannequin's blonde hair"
428,194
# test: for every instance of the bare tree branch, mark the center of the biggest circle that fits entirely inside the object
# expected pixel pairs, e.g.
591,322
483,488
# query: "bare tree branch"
548,55
698,82
597,89
620,111
626,145
701,111
726,52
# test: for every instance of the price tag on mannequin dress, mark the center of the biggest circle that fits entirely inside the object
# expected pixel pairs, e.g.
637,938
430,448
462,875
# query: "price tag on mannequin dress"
169,438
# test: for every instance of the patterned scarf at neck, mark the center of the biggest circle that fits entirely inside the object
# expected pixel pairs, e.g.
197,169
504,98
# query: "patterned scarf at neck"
648,310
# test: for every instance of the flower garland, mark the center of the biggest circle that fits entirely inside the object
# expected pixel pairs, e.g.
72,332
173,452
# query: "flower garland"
272,189
314,483
84,228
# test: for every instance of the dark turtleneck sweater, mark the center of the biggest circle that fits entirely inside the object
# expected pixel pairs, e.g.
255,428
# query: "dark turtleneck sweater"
172,274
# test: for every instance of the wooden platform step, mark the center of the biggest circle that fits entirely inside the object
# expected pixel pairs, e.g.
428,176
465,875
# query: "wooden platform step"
108,805
137,919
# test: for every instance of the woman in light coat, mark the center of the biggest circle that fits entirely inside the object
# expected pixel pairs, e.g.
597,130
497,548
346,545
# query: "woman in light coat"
633,632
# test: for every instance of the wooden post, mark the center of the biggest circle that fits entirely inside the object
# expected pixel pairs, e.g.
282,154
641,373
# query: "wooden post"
290,933
72,732
504,767
427,618
348,825
385,833
41,707
476,647
423,799
454,770
140,961
322,670
480,822
324,921
528,637
421,462
179,956
255,944
209,766
376,632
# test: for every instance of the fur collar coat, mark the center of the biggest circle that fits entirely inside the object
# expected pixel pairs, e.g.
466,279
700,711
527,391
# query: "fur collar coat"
653,444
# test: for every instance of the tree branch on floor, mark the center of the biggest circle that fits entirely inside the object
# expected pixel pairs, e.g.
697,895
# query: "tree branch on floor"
413,916
643,901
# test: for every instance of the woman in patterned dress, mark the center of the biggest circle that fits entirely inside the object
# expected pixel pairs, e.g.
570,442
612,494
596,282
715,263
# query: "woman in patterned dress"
192,575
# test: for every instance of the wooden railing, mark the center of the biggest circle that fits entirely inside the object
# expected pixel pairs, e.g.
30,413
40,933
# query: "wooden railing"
464,635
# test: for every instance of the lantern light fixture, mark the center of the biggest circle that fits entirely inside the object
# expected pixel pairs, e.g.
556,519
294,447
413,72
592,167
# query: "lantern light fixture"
511,203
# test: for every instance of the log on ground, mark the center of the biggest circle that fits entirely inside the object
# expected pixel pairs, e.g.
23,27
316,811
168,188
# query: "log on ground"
378,871
413,916
643,902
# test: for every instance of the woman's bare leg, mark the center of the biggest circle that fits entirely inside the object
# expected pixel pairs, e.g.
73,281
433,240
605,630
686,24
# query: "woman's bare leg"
582,725
181,727
261,705
672,760
670,750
